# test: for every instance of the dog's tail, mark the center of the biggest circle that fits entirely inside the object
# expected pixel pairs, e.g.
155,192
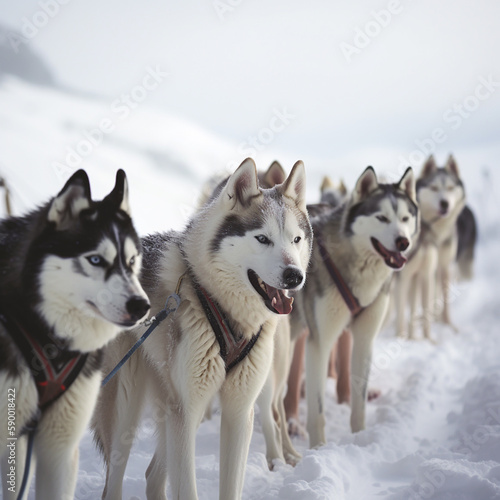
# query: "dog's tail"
467,238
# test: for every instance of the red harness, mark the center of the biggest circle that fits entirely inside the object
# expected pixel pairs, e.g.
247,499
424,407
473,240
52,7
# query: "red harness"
53,368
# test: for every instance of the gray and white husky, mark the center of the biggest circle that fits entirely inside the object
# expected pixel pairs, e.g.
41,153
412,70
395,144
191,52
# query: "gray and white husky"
363,241
68,285
441,197
236,261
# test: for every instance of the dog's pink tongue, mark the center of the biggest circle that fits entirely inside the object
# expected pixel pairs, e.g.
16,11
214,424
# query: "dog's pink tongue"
397,260
280,301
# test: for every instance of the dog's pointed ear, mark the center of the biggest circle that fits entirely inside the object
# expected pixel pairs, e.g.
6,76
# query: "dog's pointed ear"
429,167
118,197
326,183
452,166
274,175
71,200
243,185
342,188
366,184
295,185
408,184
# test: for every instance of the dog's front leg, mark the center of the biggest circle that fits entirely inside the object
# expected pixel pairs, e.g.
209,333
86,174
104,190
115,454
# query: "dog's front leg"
181,432
58,436
325,328
428,285
236,432
317,356
270,429
364,330
56,472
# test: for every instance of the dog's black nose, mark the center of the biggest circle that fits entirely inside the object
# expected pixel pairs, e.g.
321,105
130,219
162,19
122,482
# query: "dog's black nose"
137,306
402,243
292,277
444,204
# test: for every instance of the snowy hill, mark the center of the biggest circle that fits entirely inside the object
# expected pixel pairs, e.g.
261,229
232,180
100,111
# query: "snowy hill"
435,431
18,58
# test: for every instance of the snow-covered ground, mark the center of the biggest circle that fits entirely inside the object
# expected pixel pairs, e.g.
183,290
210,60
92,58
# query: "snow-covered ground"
435,431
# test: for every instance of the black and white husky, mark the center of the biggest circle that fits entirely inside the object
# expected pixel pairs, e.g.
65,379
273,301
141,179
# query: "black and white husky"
68,285
235,263
357,246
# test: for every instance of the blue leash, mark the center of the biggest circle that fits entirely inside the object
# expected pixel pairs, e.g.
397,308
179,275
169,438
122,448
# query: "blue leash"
29,452
153,322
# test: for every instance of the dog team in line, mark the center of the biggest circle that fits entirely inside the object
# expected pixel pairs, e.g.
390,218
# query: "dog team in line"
254,268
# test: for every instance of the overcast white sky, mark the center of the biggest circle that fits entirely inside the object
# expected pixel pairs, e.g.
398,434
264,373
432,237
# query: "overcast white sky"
230,70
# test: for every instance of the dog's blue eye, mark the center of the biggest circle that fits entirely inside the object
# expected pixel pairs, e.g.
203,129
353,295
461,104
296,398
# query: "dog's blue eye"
263,239
96,260
131,261
383,218
297,239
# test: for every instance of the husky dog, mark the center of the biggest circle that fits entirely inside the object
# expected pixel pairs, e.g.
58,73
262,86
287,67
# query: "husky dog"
69,283
239,258
441,197
357,246
331,193
270,401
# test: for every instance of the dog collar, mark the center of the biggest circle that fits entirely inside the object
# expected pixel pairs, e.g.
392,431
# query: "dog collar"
233,348
53,368
349,298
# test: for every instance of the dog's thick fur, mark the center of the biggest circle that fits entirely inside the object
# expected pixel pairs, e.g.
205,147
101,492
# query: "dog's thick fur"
68,270
466,246
441,197
244,228
374,214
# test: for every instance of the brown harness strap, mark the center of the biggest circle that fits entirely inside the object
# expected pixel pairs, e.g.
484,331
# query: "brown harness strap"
233,349
344,290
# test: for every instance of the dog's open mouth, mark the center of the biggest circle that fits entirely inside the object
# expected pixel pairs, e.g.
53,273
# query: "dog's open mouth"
276,300
396,260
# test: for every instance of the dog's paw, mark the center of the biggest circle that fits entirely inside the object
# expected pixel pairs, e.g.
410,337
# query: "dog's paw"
293,459
295,428
373,394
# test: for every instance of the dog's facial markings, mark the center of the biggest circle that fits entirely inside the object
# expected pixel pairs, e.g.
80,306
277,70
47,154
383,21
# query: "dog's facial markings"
234,225
440,192
132,257
386,219
99,259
